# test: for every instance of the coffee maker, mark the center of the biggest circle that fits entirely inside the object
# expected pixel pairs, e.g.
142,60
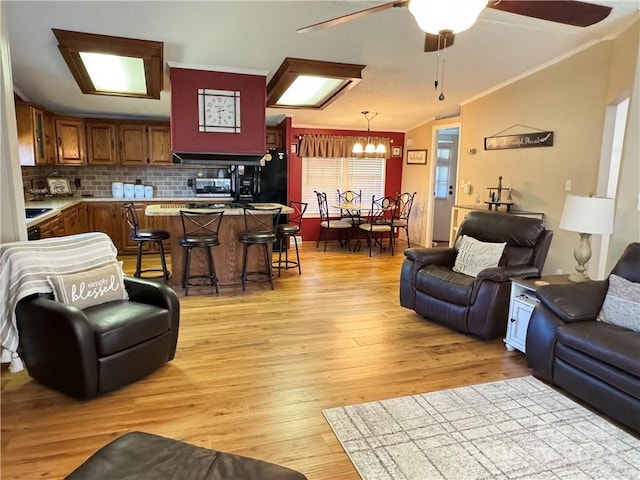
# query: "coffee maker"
247,183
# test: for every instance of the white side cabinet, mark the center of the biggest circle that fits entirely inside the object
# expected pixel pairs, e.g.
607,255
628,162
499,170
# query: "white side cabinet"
521,304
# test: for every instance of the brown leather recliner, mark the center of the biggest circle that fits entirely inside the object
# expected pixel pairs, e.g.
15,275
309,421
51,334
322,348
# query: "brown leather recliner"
479,305
85,353
595,361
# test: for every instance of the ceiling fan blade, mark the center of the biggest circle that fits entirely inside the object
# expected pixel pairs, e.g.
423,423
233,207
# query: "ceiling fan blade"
352,16
433,43
570,12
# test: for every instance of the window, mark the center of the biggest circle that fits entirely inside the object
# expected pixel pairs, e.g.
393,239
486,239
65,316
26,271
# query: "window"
442,171
331,174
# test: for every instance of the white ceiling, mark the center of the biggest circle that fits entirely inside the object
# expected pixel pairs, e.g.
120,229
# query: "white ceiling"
258,35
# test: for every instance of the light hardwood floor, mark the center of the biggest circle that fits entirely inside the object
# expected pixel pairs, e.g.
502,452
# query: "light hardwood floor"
254,370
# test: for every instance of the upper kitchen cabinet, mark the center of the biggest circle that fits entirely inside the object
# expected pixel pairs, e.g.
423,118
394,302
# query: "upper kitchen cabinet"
101,142
35,136
160,144
274,137
144,144
70,140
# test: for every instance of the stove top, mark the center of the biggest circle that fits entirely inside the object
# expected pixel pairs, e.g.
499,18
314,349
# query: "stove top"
215,205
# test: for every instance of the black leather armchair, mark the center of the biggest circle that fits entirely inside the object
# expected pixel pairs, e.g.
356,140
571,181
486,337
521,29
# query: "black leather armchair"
595,361
85,353
479,305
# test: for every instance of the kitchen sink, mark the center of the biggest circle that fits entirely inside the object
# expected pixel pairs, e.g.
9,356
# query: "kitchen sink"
36,212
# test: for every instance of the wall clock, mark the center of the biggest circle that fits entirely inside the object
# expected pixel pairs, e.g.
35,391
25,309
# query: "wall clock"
219,110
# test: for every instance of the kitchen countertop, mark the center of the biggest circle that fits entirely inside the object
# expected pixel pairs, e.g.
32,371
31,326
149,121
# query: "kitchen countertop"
167,210
57,204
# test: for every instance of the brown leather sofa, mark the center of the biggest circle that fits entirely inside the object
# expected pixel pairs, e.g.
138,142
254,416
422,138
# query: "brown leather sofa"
479,305
139,455
85,353
596,362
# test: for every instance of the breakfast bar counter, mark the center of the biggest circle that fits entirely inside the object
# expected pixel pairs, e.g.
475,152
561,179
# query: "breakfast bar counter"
227,256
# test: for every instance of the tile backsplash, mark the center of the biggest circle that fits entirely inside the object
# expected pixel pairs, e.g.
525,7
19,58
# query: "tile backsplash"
96,180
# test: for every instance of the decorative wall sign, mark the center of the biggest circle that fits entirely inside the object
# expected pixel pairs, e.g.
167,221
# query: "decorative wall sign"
417,156
522,140
396,151
58,186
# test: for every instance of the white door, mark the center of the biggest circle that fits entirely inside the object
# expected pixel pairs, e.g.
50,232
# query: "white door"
445,165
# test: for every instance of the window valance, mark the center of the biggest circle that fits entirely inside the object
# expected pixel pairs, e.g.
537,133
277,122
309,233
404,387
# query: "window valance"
338,146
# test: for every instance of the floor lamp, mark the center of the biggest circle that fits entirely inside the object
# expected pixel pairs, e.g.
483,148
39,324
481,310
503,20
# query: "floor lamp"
587,216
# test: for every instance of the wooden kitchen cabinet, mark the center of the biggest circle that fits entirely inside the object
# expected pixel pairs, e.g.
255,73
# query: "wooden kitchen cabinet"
70,140
101,142
160,144
107,217
144,144
274,137
50,150
34,138
52,227
75,219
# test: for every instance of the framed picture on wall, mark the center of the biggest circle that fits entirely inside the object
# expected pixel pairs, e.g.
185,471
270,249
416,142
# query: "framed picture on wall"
396,151
417,157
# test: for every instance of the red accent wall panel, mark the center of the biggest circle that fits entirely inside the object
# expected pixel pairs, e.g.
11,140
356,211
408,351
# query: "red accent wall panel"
185,135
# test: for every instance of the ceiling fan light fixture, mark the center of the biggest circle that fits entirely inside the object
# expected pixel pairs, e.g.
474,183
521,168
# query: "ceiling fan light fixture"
433,16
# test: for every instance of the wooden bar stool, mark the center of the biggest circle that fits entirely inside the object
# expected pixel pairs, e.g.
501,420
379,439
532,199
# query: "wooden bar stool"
285,231
259,229
143,236
200,230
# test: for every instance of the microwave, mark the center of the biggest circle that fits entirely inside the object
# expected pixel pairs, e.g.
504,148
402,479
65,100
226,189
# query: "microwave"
212,187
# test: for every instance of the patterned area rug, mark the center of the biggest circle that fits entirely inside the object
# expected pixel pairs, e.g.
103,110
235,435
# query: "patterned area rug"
512,429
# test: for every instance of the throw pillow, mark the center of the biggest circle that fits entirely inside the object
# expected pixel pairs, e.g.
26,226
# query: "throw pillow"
474,256
90,287
621,306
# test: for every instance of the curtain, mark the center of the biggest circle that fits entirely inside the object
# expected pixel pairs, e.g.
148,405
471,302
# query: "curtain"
339,146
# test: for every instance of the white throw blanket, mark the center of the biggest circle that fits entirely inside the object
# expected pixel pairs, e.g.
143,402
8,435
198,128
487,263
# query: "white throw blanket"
24,267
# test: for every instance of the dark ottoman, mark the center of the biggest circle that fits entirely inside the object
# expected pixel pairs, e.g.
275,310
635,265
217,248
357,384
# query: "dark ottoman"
140,456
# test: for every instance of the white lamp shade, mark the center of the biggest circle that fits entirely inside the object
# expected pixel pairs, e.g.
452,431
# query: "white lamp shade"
357,148
381,149
588,215
370,148
433,16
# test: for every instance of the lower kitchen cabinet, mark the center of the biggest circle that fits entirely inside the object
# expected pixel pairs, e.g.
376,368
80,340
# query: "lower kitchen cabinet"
75,219
107,217
52,227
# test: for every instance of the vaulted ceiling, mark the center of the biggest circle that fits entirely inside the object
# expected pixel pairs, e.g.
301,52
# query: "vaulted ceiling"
258,35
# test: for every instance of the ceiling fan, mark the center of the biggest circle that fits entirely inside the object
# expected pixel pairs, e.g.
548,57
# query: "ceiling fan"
438,36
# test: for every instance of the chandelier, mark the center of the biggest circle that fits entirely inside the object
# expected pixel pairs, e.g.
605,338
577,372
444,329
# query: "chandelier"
368,146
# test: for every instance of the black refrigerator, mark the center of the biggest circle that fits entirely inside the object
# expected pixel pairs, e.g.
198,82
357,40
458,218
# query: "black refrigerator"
272,178
265,183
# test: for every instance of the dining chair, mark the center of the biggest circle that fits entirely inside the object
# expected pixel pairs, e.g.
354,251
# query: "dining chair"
200,230
285,231
404,202
350,215
327,224
380,221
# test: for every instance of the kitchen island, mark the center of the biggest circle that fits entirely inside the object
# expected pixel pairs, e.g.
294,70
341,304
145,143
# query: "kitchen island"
227,256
